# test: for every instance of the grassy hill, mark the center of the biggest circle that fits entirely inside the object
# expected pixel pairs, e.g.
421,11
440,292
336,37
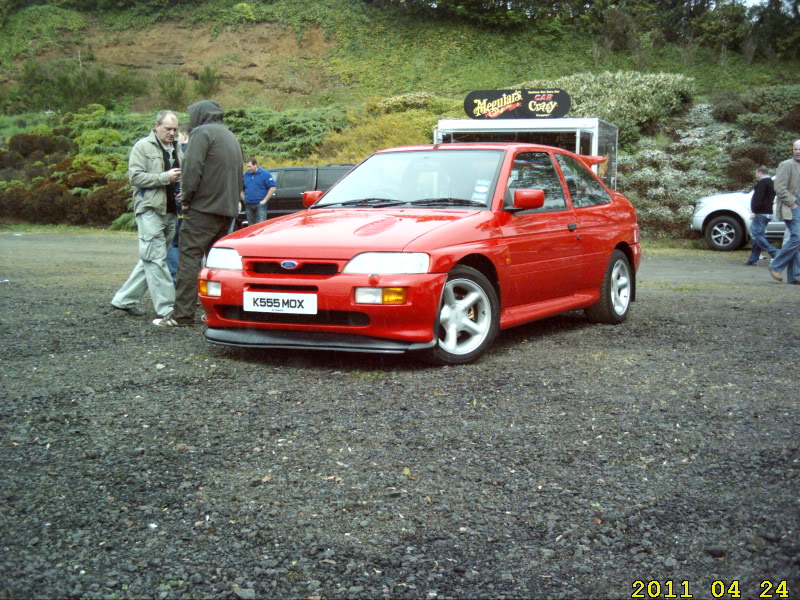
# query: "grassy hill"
308,81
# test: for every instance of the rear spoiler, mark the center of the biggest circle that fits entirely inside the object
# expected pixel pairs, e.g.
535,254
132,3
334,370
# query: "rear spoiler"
590,161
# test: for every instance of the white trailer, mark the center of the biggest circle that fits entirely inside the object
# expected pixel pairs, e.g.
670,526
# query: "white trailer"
593,137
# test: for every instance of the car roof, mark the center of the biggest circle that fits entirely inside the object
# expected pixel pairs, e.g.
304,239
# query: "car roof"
474,146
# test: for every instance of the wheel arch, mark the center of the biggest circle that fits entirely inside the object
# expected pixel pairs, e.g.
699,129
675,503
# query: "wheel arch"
628,252
485,266
727,213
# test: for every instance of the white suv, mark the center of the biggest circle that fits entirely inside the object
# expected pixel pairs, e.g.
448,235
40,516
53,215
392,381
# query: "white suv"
724,221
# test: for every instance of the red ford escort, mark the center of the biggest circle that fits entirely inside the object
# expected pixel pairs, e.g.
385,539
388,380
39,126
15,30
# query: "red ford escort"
428,249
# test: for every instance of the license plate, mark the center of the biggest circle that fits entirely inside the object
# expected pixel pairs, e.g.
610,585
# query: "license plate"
304,304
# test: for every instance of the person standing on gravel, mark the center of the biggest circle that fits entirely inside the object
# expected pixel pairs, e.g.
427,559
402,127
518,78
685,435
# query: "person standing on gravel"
211,186
172,251
259,186
154,173
787,190
761,209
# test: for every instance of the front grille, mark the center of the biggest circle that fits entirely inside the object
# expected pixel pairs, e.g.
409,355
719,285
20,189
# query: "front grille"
272,268
323,317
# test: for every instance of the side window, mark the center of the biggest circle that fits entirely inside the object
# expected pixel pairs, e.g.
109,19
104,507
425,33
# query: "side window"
296,178
583,188
327,177
535,170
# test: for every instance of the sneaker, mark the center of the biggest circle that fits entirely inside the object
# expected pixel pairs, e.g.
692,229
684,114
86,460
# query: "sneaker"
134,311
168,321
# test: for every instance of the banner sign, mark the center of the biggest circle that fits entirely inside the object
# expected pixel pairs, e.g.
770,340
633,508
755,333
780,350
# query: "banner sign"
516,104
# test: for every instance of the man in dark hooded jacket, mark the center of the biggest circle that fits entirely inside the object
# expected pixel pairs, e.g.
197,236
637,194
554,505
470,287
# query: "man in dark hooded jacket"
211,184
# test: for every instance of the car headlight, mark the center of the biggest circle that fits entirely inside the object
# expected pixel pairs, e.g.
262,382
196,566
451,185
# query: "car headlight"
224,258
388,263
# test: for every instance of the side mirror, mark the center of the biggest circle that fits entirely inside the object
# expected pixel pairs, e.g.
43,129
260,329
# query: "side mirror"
310,197
527,200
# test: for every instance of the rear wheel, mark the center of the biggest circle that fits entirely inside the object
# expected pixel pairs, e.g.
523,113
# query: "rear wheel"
615,292
725,233
469,317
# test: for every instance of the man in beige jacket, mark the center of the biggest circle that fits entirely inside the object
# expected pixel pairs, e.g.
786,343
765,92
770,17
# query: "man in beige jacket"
787,196
154,172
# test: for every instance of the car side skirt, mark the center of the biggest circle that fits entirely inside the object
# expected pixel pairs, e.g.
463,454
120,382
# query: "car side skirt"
519,315
297,340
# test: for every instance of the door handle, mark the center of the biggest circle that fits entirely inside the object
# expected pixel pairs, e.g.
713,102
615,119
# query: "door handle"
572,226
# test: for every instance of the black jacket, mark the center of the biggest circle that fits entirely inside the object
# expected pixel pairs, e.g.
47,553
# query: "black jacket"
763,196
211,174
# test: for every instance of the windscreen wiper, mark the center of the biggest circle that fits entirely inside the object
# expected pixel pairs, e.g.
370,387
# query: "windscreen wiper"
375,202
447,202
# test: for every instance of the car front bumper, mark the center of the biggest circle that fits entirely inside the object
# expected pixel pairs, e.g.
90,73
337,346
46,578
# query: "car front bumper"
339,322
310,340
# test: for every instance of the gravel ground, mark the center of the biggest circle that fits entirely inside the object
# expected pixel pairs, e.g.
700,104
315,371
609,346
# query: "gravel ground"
571,462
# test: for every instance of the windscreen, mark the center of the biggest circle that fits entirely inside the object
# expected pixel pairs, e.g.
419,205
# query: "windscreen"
415,176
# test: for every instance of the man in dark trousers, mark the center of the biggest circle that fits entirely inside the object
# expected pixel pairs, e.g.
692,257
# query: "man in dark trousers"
211,185
761,209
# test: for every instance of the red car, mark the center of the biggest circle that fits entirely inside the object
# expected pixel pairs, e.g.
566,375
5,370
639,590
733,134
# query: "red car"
429,249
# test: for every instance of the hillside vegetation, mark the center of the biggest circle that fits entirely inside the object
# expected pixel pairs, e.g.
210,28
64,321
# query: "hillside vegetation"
319,82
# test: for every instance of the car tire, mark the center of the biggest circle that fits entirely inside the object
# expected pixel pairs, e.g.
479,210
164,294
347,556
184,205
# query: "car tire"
468,318
616,292
725,233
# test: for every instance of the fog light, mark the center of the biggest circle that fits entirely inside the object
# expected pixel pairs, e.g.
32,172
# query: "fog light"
209,288
381,295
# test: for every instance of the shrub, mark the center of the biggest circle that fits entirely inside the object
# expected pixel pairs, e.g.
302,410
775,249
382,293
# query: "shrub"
773,99
15,202
763,127
728,107
208,82
791,120
417,100
664,183
10,159
26,144
172,87
366,136
284,135
741,170
98,140
66,84
125,222
638,100
755,152
104,205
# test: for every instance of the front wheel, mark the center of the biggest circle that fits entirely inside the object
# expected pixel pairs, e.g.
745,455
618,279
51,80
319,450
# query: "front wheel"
468,320
725,233
615,292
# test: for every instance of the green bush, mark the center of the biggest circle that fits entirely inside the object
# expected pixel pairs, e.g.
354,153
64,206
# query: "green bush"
741,170
208,82
755,152
53,203
172,87
66,84
630,100
284,135
355,143
727,107
417,100
664,182
772,99
98,141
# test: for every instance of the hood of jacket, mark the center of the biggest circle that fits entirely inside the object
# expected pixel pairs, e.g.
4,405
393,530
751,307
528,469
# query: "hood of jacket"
204,112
